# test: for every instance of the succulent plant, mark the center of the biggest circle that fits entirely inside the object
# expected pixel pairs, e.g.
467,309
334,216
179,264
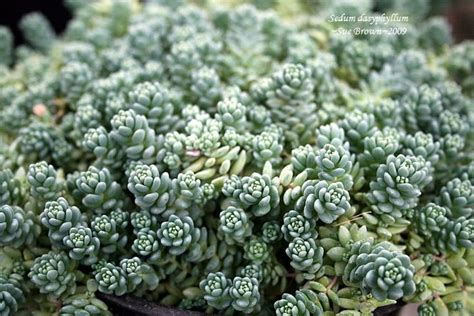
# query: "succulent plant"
154,102
322,200
256,250
105,229
11,296
84,303
53,274
82,245
37,31
334,164
227,159
431,218
10,189
178,234
17,228
42,178
150,188
382,273
111,279
244,294
397,185
147,244
305,255
271,232
98,191
258,193
291,305
216,289
235,224
296,225
59,217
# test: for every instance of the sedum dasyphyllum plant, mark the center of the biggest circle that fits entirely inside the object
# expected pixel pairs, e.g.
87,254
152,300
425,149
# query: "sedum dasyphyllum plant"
236,159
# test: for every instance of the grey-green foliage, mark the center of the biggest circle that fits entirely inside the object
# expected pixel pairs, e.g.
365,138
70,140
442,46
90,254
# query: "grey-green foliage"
323,200
256,192
10,188
420,107
53,274
146,244
296,225
266,147
377,148
252,271
97,190
256,250
132,132
216,288
152,189
431,218
330,134
188,190
426,309
435,34
100,143
334,164
87,117
459,65
357,126
231,113
271,232
142,219
64,152
204,135
6,46
174,151
58,217
76,78
354,60
138,274
381,271
11,297
298,304
80,52
83,303
322,67
182,59
316,299
245,294
139,47
111,279
421,144
105,229
397,185
36,141
387,113
17,227
154,102
82,246
292,86
178,234
289,97
37,31
206,88
455,235
43,182
305,256
303,158
235,225
451,146
458,196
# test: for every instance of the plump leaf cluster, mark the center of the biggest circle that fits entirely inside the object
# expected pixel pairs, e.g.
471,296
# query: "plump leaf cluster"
237,158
